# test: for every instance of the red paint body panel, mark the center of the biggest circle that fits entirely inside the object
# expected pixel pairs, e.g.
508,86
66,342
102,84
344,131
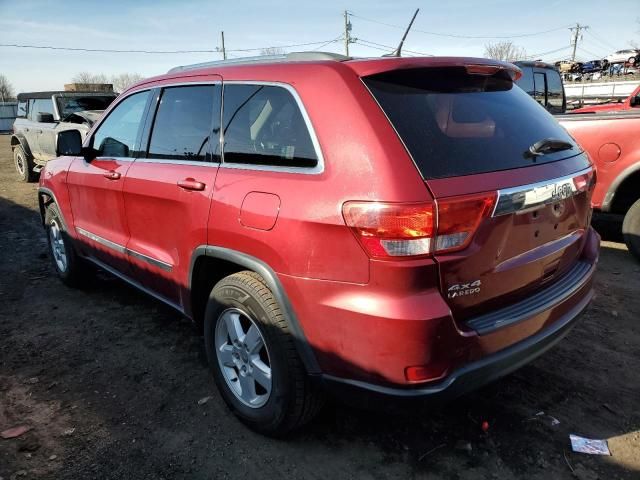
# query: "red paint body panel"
166,222
98,206
364,319
611,107
260,210
616,132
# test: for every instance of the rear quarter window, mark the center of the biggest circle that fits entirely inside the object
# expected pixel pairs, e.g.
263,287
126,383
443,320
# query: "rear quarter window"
263,125
453,123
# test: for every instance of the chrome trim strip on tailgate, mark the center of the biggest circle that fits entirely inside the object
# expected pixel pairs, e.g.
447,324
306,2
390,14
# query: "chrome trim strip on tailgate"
530,197
562,288
127,251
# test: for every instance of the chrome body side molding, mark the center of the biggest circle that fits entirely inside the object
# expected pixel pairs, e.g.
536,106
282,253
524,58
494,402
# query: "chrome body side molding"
124,250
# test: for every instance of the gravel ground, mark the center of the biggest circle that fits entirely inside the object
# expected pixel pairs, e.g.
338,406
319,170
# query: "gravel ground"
109,381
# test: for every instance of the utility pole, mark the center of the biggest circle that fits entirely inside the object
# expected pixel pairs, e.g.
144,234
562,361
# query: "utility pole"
574,39
347,33
224,52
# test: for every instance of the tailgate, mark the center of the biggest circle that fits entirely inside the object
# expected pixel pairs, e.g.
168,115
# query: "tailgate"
511,187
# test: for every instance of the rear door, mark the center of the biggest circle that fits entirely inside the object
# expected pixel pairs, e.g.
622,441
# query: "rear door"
168,192
37,129
509,222
95,188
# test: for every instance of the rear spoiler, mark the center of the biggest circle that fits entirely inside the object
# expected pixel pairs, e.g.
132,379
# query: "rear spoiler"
476,66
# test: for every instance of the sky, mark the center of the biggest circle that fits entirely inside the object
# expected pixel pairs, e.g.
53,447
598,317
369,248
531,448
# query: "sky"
253,24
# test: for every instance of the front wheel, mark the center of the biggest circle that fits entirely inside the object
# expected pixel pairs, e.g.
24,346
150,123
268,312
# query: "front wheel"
24,164
253,358
631,229
70,268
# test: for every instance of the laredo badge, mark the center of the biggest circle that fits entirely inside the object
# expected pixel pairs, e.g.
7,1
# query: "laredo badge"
462,289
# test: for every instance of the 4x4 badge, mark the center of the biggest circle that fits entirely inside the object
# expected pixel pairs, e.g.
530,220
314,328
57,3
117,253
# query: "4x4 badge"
462,289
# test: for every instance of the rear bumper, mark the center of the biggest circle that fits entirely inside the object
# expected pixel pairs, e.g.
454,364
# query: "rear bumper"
472,375
365,336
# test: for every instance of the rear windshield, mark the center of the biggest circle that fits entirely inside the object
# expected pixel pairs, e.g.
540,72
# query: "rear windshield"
457,124
69,105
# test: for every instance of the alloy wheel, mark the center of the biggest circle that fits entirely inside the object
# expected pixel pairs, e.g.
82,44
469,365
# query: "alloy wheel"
57,246
20,163
243,357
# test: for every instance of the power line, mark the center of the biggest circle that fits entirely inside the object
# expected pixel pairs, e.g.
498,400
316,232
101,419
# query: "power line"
541,54
337,39
601,40
106,50
452,35
102,50
587,51
388,47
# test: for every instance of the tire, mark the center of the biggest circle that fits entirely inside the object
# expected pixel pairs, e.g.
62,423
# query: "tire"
24,164
70,268
631,229
291,399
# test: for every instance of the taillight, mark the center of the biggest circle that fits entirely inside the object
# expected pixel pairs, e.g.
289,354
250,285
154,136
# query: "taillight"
585,182
392,229
412,229
459,217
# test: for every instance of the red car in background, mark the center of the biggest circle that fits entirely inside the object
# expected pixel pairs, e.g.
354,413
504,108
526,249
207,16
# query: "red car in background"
399,227
631,102
612,139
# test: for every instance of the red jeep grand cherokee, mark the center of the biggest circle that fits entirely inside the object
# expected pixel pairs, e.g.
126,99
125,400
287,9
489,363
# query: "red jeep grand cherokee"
400,226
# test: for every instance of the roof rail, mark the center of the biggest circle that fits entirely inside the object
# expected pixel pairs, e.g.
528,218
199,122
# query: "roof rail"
286,57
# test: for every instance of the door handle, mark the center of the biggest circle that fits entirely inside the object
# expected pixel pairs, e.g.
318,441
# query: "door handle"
39,131
191,184
112,175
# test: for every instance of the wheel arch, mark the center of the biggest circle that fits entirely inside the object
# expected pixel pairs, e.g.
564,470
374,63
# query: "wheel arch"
210,264
623,191
19,139
45,198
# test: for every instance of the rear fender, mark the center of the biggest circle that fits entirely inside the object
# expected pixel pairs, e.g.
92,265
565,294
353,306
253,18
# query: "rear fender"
619,180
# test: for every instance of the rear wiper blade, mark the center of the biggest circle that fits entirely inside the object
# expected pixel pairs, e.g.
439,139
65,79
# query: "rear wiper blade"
547,145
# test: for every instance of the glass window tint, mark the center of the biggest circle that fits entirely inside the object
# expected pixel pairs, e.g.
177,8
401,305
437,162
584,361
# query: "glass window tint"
555,93
525,82
40,105
458,124
263,125
116,136
69,105
539,89
184,123
22,109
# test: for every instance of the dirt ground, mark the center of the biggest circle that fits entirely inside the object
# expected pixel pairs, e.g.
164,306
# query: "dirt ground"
110,380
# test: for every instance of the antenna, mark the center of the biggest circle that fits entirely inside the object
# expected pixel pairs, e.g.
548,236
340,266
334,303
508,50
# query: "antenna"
398,51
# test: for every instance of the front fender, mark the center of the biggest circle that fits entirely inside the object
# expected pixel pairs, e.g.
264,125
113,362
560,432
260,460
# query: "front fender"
20,139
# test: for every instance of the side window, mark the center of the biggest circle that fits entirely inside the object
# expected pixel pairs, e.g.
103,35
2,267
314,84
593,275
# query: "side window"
263,125
185,122
526,81
116,136
22,109
555,92
40,105
539,89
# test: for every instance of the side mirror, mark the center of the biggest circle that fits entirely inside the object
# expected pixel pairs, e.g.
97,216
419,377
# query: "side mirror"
69,142
44,118
635,101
